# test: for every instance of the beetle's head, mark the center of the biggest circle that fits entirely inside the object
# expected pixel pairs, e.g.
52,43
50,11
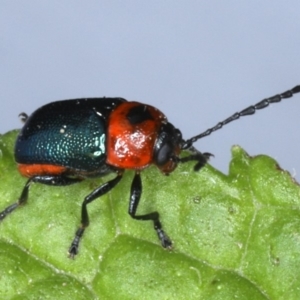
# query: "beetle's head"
167,148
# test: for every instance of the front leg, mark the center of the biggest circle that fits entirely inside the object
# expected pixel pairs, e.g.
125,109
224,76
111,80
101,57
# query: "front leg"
200,158
135,195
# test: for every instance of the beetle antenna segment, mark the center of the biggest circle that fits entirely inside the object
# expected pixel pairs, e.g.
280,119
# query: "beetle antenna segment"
245,112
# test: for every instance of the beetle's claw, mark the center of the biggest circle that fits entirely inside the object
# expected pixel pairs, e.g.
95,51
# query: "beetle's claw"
164,239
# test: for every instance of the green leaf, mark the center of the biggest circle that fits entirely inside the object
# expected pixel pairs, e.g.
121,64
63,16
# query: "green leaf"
235,236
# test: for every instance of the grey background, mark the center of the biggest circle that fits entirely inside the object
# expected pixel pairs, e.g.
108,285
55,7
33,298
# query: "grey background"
197,61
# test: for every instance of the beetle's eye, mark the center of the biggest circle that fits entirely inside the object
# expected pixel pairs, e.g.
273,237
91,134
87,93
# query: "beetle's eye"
164,154
167,148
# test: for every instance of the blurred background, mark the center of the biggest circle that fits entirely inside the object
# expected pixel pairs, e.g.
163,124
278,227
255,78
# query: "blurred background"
197,61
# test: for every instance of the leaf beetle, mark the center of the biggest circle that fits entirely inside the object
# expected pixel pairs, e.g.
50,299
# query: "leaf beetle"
64,142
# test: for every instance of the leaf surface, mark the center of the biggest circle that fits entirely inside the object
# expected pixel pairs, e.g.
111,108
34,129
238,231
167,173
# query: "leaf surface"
235,236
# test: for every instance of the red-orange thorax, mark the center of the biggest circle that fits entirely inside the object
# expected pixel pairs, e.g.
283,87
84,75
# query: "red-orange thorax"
133,128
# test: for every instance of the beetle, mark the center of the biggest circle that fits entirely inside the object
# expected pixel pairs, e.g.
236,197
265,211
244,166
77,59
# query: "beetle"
65,142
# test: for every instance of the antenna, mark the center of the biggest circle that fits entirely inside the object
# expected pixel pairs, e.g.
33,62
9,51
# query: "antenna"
245,112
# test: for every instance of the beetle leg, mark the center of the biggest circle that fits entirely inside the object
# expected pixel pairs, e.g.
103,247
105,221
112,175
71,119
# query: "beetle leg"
50,180
201,158
135,196
98,192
